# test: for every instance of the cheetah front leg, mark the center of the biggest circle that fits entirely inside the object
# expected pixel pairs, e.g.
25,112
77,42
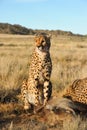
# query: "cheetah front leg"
24,92
47,91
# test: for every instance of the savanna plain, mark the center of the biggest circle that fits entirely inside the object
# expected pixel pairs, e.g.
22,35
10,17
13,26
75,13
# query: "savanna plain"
69,59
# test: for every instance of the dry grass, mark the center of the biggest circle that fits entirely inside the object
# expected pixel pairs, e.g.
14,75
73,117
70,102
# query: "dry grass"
69,58
76,124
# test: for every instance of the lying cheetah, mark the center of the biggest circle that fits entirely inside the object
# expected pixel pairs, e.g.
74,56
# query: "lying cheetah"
37,90
77,91
73,100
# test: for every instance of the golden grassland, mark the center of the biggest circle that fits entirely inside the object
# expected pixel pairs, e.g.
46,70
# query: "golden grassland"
69,59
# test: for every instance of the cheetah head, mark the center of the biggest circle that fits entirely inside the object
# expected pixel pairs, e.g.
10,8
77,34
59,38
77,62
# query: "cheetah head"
42,42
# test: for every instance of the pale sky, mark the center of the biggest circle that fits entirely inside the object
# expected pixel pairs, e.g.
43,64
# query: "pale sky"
67,15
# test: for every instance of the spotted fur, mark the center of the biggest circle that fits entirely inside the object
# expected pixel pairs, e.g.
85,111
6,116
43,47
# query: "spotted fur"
77,91
37,90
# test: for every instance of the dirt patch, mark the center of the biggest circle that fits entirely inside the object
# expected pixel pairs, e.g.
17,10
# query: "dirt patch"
15,118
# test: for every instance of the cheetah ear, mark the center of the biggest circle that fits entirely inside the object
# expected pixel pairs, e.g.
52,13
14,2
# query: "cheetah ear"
49,36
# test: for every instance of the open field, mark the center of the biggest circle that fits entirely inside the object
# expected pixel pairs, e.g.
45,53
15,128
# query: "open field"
69,59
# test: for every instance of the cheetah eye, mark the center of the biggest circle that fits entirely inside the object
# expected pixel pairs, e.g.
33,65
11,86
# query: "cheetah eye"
42,41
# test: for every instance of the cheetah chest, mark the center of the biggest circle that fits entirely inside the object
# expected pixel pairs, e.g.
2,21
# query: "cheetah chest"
43,69
41,77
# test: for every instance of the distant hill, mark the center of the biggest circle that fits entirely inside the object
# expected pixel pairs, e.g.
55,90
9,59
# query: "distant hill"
14,29
7,28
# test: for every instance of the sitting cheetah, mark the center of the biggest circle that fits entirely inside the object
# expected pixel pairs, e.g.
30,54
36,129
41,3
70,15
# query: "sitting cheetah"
37,90
78,91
